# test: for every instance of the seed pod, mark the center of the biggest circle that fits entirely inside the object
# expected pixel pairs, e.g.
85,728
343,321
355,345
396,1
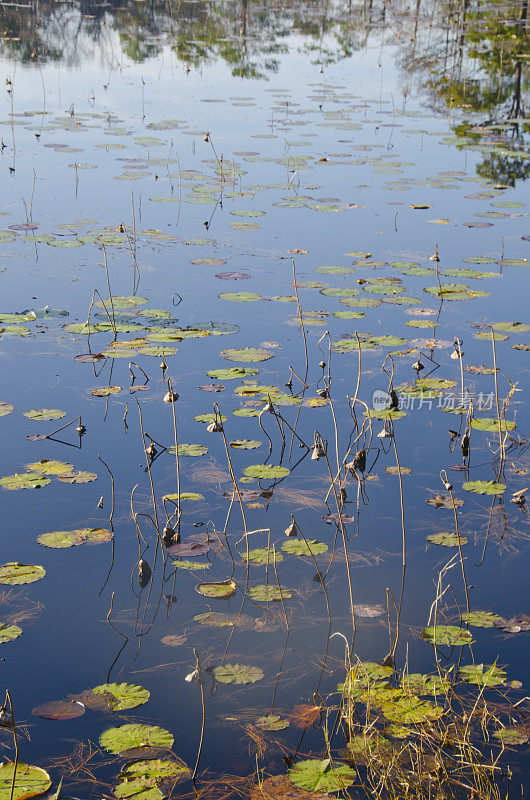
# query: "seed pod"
6,720
359,461
169,536
144,573
292,530
100,504
322,364
360,281
464,444
448,486
343,495
151,451
383,433
214,427
170,396
81,429
318,452
163,366
418,366
323,393
120,228
394,399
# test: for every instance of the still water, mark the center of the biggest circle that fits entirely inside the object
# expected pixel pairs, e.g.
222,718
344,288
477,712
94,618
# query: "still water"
246,204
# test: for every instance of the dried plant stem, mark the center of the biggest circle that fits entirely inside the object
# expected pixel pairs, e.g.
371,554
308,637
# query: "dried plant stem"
203,725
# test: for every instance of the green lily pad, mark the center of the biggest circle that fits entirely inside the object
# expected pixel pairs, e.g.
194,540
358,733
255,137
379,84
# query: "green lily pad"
45,414
231,373
264,555
481,619
5,409
246,412
155,769
138,789
446,634
484,487
511,736
266,593
266,471
272,722
48,467
246,354
411,710
238,674
511,327
24,480
15,574
192,450
482,675
240,297
61,539
221,620
116,740
120,302
315,775
384,413
245,444
492,424
221,589
446,539
184,496
425,684
305,547
124,695
29,781
9,632
210,417
191,565
488,336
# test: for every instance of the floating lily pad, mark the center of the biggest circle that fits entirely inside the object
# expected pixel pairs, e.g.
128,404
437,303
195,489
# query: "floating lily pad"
105,391
492,424
425,684
240,297
320,775
120,302
482,675
481,619
211,417
411,710
124,695
116,740
59,710
246,354
5,408
446,634
61,539
15,574
245,444
174,640
272,722
511,736
9,632
45,414
266,471
191,565
305,547
231,373
220,620
265,593
138,788
238,674
48,467
484,487
24,480
184,496
444,501
77,476
29,781
156,769
264,555
446,539
221,589
192,450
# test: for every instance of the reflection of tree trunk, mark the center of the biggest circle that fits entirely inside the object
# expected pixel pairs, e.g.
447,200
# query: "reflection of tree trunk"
416,19
516,105
243,30
524,12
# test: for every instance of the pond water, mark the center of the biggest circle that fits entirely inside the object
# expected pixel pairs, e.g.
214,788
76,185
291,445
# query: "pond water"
309,222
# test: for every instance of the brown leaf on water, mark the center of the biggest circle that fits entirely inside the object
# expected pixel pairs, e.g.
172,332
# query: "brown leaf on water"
279,787
304,716
518,624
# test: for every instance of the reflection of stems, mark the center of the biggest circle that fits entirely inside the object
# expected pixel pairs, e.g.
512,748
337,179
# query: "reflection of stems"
118,632
112,486
77,419
199,670
15,740
450,490
278,581
110,292
149,471
301,322
179,512
501,444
